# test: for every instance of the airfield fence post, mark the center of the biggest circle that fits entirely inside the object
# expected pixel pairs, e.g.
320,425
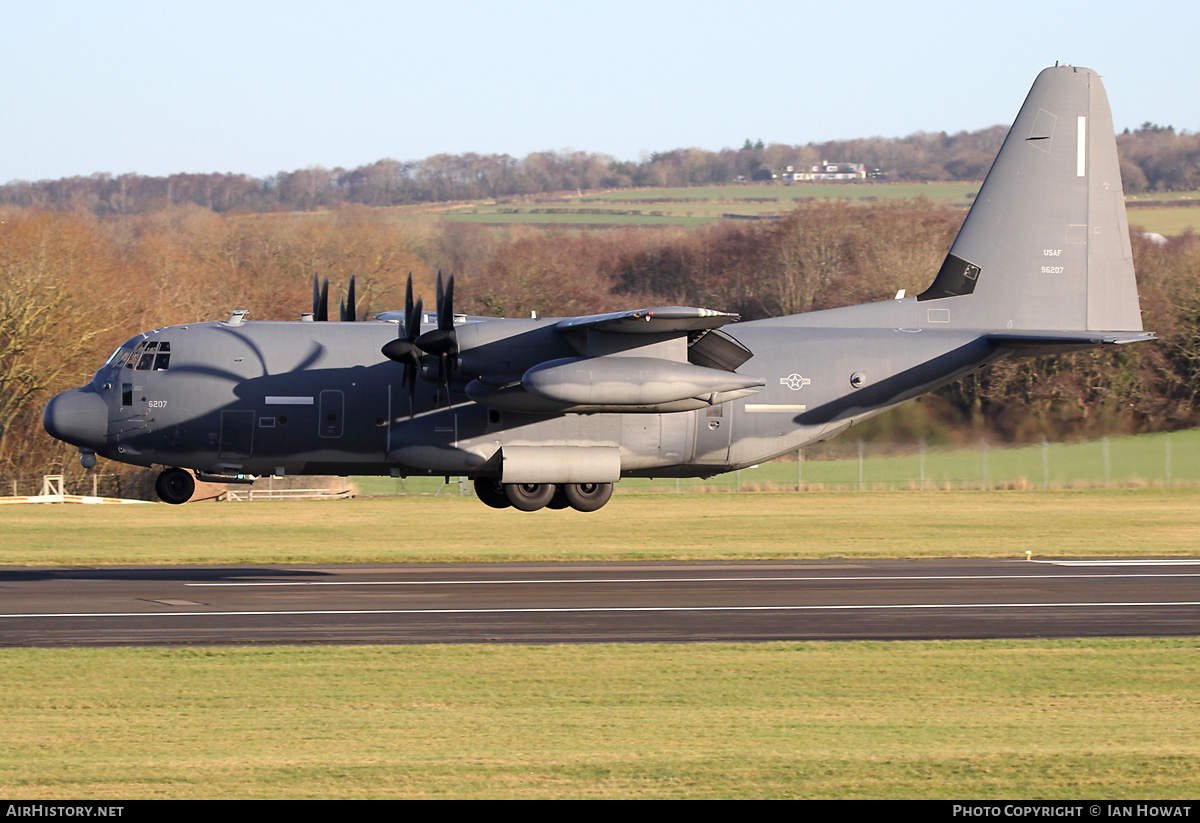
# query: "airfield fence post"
921,451
983,477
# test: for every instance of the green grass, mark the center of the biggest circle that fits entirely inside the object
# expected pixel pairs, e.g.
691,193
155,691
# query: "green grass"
1144,460
1168,213
985,720
1124,522
692,206
981,720
1180,197
1170,222
785,193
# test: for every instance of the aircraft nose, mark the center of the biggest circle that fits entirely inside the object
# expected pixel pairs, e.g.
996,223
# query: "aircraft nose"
77,417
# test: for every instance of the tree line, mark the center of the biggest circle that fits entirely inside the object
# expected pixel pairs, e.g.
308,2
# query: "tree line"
1154,158
73,286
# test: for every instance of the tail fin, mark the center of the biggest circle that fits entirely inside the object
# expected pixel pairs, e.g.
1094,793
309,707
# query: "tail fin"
1046,244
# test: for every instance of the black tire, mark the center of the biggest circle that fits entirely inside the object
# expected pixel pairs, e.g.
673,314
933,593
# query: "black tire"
587,497
490,492
529,497
175,486
559,500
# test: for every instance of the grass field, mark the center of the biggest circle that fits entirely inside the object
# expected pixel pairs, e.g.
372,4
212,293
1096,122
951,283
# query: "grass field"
983,720
1124,522
695,206
1118,719
1145,460
1170,222
1167,213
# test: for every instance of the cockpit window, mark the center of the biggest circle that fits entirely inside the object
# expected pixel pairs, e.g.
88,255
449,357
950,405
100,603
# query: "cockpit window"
150,356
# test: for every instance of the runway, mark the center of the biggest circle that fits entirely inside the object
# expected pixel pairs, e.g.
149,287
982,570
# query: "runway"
599,602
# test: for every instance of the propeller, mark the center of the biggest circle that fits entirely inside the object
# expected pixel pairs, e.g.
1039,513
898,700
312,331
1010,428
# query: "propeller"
320,299
346,312
442,342
404,349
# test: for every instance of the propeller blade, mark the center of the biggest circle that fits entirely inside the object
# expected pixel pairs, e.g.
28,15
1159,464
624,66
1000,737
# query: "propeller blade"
412,370
446,307
349,313
321,310
443,340
408,309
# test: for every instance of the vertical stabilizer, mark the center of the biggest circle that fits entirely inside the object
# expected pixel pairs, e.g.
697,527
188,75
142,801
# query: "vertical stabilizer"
1046,244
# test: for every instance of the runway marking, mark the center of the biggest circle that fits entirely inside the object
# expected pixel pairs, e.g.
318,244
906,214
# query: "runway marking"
1188,562
535,581
586,609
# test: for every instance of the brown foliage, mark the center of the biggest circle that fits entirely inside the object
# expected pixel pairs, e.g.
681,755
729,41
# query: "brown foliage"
72,287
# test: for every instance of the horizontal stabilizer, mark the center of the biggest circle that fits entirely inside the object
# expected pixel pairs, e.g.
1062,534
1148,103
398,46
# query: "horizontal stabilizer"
1065,341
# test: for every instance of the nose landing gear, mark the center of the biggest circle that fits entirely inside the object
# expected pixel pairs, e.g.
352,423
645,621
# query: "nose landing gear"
175,486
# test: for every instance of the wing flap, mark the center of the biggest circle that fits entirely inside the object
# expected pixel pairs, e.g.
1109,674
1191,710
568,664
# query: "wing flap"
660,320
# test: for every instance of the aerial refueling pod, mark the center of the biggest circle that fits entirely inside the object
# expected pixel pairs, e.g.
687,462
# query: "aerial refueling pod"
628,381
613,383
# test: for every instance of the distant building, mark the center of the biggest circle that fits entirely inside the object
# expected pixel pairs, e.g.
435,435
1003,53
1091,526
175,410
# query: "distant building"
826,172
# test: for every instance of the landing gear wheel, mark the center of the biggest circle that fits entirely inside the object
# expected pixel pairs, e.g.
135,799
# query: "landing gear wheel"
175,486
529,497
559,500
587,497
490,492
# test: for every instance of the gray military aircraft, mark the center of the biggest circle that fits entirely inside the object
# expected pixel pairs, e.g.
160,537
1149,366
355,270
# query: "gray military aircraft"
552,411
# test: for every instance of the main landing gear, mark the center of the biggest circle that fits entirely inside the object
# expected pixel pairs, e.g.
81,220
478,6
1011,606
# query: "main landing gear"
529,497
175,486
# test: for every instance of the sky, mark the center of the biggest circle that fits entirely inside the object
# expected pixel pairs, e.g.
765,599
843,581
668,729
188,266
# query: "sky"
258,87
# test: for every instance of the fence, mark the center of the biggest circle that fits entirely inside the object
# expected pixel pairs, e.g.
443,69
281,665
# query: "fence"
1163,460
1145,460
94,484
1157,460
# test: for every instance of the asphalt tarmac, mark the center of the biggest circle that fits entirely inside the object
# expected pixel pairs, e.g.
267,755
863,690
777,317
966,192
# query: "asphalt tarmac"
599,602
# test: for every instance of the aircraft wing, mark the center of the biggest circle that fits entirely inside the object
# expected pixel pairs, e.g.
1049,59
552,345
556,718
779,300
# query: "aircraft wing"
664,319
707,346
